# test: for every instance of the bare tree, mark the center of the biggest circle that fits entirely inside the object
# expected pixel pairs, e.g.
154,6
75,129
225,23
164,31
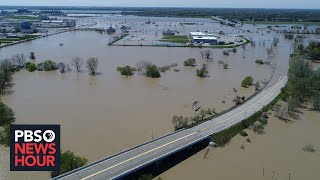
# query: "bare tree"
19,60
202,53
77,62
32,56
179,122
62,67
225,66
207,54
276,41
244,47
92,65
142,66
257,86
280,111
269,51
68,68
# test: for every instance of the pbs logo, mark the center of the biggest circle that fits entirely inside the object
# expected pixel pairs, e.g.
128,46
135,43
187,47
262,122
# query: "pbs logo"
35,136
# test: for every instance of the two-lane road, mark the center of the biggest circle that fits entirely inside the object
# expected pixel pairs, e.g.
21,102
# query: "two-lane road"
125,162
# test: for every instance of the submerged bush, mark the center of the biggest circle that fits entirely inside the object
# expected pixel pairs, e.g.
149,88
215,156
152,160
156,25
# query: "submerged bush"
5,135
48,65
69,162
247,81
126,70
6,114
31,66
259,61
152,71
308,148
203,72
243,133
189,62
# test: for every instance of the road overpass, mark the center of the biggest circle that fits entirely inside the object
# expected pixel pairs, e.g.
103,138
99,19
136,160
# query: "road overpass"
119,165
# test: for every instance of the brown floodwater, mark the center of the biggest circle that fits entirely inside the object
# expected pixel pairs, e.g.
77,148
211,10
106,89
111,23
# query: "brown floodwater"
108,113
273,155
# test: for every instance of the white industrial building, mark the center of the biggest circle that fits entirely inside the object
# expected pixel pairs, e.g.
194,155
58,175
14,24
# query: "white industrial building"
200,37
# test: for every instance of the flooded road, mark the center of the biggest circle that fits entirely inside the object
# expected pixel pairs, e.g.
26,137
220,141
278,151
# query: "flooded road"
103,115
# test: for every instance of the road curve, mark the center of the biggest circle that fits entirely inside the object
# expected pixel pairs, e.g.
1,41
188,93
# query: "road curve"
116,166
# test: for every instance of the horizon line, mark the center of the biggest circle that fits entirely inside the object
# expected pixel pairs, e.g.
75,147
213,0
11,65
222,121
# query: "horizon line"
157,7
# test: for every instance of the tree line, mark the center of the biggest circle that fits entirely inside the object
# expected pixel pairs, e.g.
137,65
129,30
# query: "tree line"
8,67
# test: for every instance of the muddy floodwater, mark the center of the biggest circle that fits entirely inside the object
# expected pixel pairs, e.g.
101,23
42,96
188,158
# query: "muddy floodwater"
277,154
108,113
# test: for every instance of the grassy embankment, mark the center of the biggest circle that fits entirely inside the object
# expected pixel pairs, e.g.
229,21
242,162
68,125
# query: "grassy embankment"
22,17
11,40
279,23
222,137
175,39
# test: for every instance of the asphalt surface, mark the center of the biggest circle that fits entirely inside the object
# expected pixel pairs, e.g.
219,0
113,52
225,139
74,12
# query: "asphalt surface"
124,162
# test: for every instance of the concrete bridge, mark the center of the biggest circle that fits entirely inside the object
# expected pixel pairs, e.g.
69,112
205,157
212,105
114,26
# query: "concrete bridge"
123,163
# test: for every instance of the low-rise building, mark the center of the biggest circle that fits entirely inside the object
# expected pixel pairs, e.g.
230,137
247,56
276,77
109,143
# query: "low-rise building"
205,39
200,37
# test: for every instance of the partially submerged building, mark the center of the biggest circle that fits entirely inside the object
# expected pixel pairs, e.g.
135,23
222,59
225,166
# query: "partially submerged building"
205,39
200,37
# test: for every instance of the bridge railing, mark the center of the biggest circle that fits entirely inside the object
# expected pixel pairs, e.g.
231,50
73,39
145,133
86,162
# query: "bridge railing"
109,157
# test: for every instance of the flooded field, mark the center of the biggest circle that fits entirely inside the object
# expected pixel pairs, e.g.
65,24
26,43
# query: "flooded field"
108,113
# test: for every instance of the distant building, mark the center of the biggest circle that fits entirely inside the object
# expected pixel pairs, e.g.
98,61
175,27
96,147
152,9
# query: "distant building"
23,10
202,34
28,31
200,37
26,25
168,33
72,23
3,35
6,27
10,35
44,17
205,39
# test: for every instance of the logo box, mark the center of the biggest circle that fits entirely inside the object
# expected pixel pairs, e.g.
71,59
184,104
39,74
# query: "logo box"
34,147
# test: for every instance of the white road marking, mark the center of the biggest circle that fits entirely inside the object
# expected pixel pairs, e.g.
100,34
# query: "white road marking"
99,172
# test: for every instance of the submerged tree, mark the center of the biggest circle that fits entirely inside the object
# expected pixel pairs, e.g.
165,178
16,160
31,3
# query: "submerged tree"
257,86
203,72
207,54
189,62
77,62
62,67
6,73
6,114
247,81
32,56
92,65
68,162
280,111
276,41
19,60
126,70
152,71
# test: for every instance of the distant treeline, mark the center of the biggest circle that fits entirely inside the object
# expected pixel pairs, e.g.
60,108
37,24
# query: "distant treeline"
232,14
239,14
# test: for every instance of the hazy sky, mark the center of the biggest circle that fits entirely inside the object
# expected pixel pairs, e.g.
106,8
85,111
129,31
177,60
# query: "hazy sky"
309,4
